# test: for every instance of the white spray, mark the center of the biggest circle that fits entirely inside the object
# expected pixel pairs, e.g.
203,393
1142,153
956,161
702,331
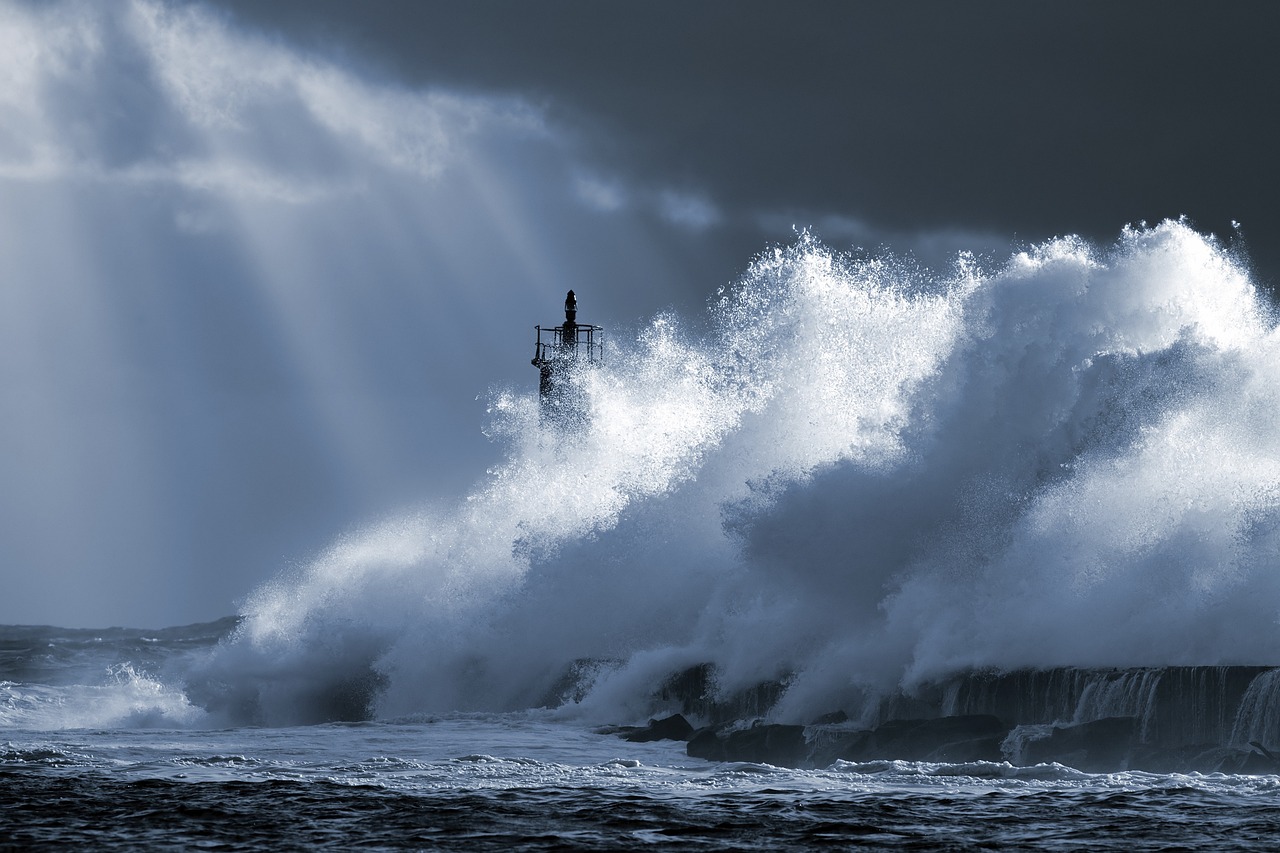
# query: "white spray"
866,475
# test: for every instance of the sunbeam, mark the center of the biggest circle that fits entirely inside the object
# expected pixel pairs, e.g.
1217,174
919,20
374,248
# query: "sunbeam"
284,290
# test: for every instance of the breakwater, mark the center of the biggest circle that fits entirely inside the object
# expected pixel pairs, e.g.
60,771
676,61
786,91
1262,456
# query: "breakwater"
1165,719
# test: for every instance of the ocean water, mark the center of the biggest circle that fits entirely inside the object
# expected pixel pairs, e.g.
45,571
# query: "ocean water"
117,761
853,477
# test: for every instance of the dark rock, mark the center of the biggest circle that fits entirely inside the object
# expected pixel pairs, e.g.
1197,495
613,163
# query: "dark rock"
951,739
1180,706
1217,759
965,751
1202,758
1188,718
826,746
749,703
772,743
1264,752
835,718
694,690
707,743
675,727
620,731
1259,764
1257,761
928,739
691,687
1099,746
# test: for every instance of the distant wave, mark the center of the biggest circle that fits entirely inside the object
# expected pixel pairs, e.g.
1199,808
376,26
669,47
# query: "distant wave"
77,678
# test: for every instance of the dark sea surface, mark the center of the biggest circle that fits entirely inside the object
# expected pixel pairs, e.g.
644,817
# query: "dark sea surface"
97,754
678,804
299,815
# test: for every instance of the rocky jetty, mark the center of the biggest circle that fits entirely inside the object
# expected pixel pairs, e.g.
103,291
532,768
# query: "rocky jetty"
1159,719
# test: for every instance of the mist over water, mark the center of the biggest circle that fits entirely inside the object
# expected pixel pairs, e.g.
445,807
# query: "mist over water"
866,474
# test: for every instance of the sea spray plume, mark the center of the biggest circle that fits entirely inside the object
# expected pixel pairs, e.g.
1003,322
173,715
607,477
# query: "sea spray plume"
1155,542
866,476
647,589
657,408
1096,480
606,541
412,600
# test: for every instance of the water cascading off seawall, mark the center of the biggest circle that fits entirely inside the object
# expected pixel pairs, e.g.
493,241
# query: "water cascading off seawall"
1164,719
1173,706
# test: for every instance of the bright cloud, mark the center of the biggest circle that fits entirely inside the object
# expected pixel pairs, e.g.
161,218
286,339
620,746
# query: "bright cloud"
212,110
688,209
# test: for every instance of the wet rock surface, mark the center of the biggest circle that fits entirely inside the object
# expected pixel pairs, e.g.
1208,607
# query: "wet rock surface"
771,743
675,727
1157,719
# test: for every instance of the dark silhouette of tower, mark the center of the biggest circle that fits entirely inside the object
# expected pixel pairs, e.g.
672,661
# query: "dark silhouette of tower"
569,346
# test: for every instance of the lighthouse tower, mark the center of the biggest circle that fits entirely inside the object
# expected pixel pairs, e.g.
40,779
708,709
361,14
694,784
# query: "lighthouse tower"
558,352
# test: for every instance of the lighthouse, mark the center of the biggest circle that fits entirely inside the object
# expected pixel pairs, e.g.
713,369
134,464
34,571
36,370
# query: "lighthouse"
558,353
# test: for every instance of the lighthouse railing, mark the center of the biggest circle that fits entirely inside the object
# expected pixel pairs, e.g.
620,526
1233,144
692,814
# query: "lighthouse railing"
580,342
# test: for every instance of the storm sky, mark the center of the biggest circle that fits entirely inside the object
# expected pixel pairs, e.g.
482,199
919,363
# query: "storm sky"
884,118
262,262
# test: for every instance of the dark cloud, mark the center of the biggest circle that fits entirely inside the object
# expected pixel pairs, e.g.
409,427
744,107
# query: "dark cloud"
1026,119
